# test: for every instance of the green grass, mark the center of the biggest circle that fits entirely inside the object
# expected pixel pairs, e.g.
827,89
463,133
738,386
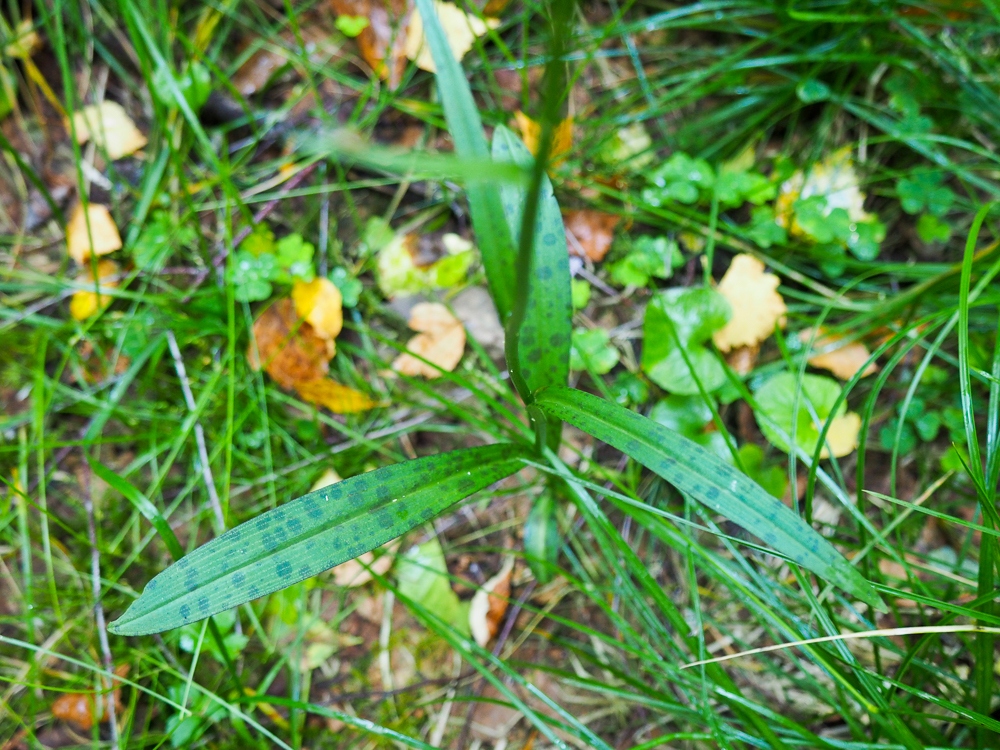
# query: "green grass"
649,581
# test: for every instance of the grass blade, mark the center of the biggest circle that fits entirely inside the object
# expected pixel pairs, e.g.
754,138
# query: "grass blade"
709,480
544,340
466,129
312,534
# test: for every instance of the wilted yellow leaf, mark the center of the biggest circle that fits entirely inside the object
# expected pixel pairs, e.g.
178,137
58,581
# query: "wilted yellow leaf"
110,127
441,341
102,231
354,573
833,178
844,361
756,304
86,302
26,41
336,397
489,605
842,437
531,134
328,477
460,29
320,304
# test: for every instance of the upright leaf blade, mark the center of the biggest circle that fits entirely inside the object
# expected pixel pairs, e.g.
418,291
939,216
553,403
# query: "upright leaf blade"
466,130
710,481
547,326
312,534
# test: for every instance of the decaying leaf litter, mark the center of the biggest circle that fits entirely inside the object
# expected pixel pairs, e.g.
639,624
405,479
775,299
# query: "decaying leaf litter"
333,318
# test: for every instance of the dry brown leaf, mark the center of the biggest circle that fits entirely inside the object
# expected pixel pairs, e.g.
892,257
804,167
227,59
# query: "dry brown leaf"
460,29
254,74
353,573
336,397
843,361
382,42
842,437
441,341
743,359
756,304
83,709
100,239
589,233
87,302
489,604
320,304
531,134
110,127
289,349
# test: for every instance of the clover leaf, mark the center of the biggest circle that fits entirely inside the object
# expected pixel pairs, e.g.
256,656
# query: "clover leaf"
680,179
678,324
629,388
591,349
158,237
815,397
648,257
764,231
294,259
924,191
772,478
932,229
252,275
734,187
691,417
350,288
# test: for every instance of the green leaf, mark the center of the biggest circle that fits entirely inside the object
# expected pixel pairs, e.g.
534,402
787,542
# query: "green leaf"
710,481
252,274
681,179
648,257
678,323
294,259
350,287
195,86
351,25
772,479
764,231
932,229
592,350
579,293
690,416
466,128
776,400
864,239
422,575
312,534
541,537
160,235
811,91
260,240
544,348
629,388
924,191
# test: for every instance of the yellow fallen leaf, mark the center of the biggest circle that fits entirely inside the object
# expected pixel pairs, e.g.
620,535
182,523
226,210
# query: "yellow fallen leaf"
842,437
441,341
328,477
320,304
355,573
87,302
531,134
460,29
101,238
110,127
489,604
756,304
336,397
844,361
833,178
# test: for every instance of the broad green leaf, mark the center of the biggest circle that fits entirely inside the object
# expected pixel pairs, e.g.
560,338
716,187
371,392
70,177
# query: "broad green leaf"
547,327
710,481
466,128
772,478
777,400
678,324
691,417
312,534
422,575
541,537
592,350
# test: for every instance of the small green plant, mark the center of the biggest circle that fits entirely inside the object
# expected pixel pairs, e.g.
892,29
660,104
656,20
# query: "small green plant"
519,229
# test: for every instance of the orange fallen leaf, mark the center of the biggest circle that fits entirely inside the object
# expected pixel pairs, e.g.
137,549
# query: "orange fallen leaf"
589,233
109,126
382,42
743,358
87,302
83,709
290,351
531,134
441,341
843,361
91,232
757,306
320,304
336,397
489,605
